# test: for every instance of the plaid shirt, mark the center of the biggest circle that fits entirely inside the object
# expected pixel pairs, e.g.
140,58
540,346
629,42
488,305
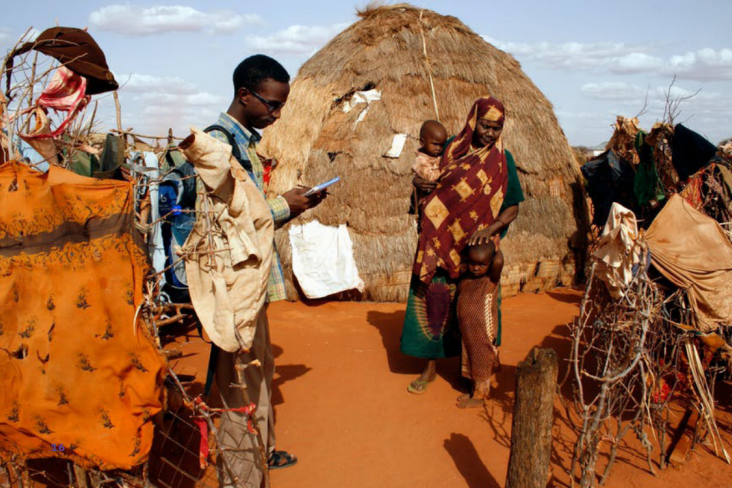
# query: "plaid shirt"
247,142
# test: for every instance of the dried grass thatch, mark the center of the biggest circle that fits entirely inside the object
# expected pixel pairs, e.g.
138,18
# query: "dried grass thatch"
316,140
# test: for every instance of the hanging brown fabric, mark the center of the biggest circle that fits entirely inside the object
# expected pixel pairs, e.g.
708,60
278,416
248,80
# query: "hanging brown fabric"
77,50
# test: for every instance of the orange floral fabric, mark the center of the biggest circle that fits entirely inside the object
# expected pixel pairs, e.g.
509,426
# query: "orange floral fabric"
73,369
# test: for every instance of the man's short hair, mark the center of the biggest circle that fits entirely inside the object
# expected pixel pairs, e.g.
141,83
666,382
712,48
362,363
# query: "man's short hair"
255,69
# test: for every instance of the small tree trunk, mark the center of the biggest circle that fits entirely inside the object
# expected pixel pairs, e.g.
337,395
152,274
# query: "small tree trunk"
533,415
80,475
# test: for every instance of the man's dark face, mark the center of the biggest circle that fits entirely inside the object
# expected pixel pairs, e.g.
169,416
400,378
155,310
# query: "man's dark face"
260,114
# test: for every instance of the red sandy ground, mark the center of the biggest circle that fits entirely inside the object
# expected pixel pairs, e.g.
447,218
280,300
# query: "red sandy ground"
342,406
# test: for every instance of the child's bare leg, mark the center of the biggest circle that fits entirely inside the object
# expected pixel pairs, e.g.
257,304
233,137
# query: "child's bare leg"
480,394
494,272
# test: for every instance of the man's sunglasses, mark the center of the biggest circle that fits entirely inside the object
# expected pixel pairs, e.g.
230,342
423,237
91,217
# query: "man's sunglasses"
271,106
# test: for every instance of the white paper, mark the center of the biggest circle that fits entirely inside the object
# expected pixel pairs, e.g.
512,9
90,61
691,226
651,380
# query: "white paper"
322,259
397,145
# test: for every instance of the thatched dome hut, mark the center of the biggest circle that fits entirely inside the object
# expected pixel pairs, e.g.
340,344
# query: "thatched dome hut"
318,138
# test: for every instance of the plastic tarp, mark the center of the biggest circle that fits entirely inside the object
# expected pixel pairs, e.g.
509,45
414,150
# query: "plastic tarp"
322,259
609,179
693,252
147,164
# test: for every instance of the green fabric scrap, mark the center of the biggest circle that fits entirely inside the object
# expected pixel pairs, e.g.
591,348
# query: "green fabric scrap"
647,184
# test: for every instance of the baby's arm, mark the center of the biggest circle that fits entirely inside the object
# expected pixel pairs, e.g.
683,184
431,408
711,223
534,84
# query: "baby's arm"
494,271
419,169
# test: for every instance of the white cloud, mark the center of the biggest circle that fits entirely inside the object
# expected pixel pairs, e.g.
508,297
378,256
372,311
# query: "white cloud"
6,34
134,20
138,83
296,39
597,117
613,91
706,112
575,56
703,65
9,37
620,58
198,99
6,40
152,103
634,63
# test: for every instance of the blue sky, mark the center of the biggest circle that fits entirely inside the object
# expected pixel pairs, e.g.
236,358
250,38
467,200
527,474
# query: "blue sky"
593,60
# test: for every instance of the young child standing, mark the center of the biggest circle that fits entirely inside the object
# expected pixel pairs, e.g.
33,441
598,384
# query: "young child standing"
477,312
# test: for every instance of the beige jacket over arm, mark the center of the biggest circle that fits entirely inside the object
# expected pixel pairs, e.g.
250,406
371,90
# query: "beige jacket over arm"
229,254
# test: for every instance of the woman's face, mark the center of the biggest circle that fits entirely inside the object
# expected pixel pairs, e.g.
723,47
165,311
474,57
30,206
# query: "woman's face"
486,133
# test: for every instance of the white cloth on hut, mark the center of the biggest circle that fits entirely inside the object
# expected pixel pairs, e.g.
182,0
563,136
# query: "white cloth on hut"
618,250
693,252
358,97
397,145
322,259
227,264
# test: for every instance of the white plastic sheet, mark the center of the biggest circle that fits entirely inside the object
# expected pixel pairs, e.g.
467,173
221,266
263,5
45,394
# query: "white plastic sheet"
397,146
322,259
362,97
150,167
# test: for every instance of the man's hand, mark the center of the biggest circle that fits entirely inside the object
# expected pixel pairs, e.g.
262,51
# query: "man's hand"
298,203
425,186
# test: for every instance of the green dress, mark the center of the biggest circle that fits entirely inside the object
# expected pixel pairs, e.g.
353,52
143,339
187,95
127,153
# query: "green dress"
430,326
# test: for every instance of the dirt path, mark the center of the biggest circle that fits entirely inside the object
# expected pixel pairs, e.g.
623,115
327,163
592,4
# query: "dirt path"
343,409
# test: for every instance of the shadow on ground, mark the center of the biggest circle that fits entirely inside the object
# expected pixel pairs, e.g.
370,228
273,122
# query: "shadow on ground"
389,326
468,462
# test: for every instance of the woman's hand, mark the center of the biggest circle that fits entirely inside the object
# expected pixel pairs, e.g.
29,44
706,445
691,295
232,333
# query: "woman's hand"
498,225
485,235
425,186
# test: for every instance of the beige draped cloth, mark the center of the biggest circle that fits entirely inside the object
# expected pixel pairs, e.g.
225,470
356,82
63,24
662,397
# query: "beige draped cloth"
692,251
618,250
227,263
42,145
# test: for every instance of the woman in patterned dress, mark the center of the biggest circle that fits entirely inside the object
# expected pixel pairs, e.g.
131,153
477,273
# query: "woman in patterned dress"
475,200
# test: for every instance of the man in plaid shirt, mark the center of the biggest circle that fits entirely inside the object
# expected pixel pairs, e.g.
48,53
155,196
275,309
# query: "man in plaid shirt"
261,87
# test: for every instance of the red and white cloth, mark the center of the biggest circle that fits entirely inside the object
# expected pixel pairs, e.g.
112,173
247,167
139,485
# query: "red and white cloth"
66,92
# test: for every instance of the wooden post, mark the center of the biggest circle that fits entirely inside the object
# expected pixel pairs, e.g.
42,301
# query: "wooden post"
533,415
683,438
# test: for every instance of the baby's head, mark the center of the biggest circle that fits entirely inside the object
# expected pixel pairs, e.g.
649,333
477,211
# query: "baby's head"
480,257
432,137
